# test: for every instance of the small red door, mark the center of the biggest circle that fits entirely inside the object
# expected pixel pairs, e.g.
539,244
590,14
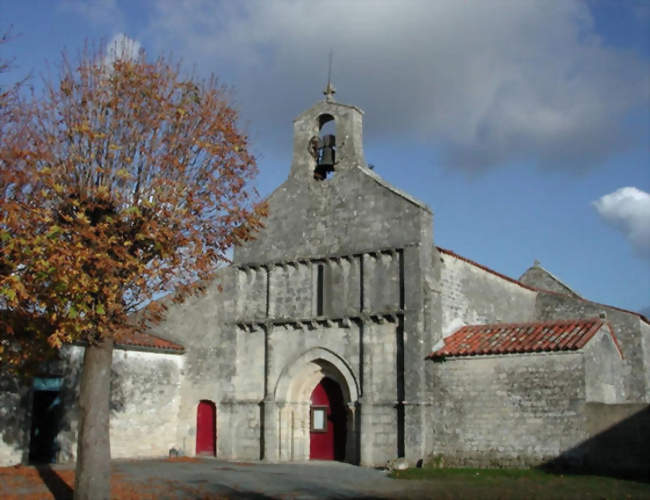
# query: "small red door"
206,429
327,422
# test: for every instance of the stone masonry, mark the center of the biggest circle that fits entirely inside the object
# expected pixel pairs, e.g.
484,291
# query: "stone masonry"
345,282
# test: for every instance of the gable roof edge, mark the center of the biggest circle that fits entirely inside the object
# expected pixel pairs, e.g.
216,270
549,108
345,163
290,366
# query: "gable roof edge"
537,289
554,277
384,183
485,268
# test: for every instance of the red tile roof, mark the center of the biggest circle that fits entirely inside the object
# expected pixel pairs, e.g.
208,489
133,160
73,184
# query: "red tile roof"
147,341
502,338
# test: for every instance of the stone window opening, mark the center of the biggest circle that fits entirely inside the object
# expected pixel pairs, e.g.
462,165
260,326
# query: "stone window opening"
323,148
320,289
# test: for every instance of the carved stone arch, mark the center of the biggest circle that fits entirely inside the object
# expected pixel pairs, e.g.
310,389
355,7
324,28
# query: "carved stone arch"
287,428
324,118
298,378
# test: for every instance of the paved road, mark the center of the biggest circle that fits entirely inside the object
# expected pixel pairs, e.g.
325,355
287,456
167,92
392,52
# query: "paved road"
209,478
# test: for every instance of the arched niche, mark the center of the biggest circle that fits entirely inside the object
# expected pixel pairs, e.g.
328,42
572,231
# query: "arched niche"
299,377
292,393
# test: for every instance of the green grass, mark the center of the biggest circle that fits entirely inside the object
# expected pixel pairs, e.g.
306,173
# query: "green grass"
521,483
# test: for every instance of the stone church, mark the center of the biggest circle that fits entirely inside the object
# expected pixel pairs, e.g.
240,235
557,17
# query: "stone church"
342,332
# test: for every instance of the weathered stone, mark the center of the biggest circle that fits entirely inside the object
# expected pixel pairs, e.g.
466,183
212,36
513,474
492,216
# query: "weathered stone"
345,282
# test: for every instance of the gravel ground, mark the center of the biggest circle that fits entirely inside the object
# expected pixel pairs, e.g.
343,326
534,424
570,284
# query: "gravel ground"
210,478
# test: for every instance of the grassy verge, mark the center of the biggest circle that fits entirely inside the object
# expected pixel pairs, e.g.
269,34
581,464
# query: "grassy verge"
522,483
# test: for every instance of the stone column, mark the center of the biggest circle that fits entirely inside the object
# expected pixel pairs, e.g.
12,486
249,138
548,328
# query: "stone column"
270,431
414,432
270,413
416,342
366,437
352,439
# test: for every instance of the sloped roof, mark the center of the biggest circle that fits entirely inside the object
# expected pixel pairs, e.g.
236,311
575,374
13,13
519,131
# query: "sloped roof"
537,289
485,268
537,266
384,183
148,342
511,338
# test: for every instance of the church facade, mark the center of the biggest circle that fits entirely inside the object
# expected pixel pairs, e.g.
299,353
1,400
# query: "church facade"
342,332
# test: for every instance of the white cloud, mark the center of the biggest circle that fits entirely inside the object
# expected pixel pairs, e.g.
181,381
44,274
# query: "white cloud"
628,210
484,82
121,47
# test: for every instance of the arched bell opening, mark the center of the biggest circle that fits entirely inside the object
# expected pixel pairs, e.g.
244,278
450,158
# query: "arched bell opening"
323,147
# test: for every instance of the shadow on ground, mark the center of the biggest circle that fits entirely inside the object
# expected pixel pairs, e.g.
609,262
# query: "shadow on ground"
57,486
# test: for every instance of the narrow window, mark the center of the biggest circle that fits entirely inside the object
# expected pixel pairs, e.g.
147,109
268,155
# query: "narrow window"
320,289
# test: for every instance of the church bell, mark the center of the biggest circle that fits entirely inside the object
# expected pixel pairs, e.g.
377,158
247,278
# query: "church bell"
326,159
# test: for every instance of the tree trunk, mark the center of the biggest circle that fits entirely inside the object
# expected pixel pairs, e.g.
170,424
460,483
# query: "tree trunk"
93,472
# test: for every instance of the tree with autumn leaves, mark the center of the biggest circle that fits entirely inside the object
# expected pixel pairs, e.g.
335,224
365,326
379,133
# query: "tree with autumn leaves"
122,182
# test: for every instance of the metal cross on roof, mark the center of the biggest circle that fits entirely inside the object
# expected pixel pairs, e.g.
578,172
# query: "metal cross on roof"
329,90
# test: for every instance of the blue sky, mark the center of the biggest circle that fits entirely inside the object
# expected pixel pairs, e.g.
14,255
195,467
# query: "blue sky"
518,122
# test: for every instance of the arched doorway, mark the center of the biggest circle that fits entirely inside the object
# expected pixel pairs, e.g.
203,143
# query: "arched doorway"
289,418
206,428
327,436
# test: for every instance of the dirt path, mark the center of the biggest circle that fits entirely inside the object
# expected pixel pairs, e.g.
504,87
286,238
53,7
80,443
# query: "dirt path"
212,479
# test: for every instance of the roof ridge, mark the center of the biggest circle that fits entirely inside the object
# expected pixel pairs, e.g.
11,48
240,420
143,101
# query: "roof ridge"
520,324
485,268
629,311
383,182
534,288
539,265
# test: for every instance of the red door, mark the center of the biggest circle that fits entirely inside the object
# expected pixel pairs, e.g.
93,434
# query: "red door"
327,422
206,429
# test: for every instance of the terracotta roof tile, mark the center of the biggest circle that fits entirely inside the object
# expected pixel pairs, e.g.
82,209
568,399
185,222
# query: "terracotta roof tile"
510,338
148,342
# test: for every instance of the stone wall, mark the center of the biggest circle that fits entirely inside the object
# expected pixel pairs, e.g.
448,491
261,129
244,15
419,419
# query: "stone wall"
604,368
626,326
618,442
14,417
144,406
351,213
538,277
251,289
645,345
259,319
145,398
510,410
202,325
239,429
471,295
